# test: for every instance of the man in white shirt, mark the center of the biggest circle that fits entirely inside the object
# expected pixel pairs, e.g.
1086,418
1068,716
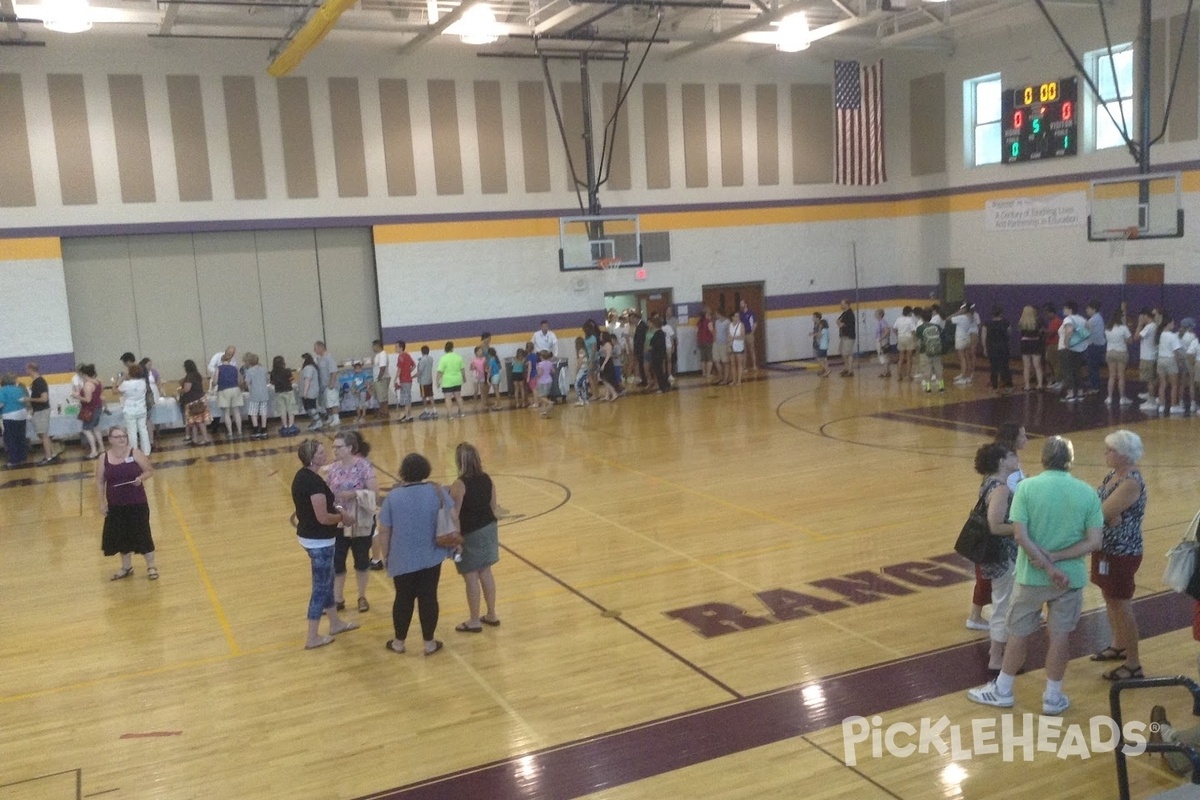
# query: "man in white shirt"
225,355
379,371
544,339
1147,327
1097,344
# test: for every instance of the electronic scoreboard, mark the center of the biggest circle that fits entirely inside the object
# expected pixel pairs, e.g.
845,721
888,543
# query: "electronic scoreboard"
1039,121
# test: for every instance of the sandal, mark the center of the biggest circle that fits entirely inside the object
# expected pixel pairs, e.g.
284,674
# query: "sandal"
1109,653
437,645
495,623
124,572
463,627
391,649
349,626
152,573
1123,673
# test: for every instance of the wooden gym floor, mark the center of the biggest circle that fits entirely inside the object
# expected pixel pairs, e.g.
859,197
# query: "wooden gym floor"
695,590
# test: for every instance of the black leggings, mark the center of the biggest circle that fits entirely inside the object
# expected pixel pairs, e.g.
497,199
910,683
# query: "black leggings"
413,588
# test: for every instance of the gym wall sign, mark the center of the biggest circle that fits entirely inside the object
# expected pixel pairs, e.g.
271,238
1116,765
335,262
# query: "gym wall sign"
853,589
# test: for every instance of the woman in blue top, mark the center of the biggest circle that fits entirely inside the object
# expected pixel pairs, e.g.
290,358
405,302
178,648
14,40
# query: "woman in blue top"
13,403
406,530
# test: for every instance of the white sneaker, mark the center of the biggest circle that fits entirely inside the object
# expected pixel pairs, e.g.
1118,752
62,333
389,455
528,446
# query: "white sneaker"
960,381
1176,410
1108,401
978,626
1149,405
1054,705
1125,401
988,695
1143,396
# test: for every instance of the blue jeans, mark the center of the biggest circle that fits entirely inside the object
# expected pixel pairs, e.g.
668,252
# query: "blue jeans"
1095,361
322,581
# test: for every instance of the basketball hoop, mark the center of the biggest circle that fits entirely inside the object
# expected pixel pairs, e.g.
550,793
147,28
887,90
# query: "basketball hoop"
608,263
1117,237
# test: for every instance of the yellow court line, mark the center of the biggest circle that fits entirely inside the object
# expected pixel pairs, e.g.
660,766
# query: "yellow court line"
713,498
209,589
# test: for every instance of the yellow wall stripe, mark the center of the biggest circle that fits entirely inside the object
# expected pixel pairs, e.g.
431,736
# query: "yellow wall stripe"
740,217
30,249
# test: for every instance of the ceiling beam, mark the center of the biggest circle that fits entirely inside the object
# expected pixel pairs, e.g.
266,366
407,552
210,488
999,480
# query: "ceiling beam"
15,34
437,28
168,19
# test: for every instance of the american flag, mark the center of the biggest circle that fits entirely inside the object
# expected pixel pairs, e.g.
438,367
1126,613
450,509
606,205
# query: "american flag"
858,106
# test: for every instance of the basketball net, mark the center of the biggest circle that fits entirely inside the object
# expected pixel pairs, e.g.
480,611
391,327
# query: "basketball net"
609,267
1117,238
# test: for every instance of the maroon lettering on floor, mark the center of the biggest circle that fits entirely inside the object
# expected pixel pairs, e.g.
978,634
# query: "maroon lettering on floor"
855,589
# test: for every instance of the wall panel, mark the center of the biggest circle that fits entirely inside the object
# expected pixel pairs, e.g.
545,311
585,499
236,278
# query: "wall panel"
72,139
132,131
443,124
230,302
166,302
100,301
397,138
16,168
291,293
695,136
766,110
535,141
349,154
812,133
245,138
346,263
657,136
189,138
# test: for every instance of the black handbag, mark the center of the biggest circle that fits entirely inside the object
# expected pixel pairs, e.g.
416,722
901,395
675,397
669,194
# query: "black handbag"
975,540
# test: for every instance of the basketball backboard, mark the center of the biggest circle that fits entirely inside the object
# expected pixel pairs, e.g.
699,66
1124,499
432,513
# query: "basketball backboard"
1136,207
584,242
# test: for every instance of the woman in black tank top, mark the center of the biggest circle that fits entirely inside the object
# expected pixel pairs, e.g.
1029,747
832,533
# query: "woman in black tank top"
475,506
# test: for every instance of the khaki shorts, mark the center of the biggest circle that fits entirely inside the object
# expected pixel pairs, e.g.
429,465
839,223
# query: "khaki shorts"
1117,358
230,398
41,422
846,347
720,353
1147,370
285,403
1168,366
381,391
1025,613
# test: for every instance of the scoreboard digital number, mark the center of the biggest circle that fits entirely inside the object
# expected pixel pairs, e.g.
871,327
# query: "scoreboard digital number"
1039,121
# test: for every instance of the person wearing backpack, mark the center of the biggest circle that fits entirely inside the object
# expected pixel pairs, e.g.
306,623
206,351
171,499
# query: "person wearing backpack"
929,345
1073,336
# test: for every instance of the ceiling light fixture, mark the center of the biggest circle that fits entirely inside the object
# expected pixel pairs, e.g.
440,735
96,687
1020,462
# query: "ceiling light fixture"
792,36
478,25
67,16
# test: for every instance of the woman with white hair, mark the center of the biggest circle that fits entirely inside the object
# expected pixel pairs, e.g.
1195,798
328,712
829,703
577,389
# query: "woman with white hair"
1123,501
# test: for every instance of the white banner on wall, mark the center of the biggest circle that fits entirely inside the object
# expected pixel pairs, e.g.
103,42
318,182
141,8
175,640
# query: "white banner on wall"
1022,213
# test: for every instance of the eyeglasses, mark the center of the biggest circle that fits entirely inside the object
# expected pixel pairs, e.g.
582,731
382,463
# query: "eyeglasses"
117,436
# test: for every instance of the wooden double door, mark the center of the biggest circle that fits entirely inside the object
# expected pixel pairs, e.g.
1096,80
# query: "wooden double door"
727,297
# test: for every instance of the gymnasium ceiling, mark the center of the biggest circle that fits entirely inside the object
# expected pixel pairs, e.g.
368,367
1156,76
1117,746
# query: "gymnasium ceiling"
852,27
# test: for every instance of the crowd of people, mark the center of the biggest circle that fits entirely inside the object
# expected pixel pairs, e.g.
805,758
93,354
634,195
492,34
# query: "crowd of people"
1061,350
1044,528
